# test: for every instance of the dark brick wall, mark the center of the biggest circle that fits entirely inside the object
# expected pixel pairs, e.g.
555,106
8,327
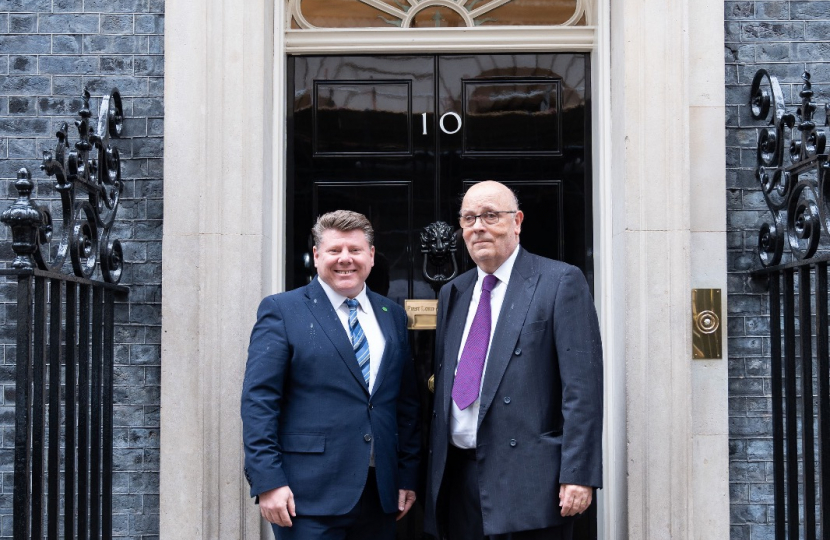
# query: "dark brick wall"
786,38
49,51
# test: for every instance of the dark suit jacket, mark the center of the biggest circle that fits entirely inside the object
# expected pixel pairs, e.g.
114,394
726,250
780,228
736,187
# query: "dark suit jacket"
540,421
308,418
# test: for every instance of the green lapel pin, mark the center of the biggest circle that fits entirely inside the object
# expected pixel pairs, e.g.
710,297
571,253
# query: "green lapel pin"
384,308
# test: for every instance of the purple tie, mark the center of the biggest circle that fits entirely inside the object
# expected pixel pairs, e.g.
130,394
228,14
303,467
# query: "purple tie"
471,365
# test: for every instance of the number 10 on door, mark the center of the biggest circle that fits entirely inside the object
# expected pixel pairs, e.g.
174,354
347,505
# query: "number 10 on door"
441,123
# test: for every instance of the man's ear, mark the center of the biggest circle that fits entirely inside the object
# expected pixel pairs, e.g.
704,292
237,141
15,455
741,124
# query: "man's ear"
519,216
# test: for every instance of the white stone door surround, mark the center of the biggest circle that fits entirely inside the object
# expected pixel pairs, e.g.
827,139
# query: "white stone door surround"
659,210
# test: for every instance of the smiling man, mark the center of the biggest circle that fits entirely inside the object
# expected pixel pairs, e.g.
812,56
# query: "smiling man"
329,405
515,446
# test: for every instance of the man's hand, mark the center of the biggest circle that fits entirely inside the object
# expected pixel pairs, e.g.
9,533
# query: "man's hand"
277,506
574,499
405,499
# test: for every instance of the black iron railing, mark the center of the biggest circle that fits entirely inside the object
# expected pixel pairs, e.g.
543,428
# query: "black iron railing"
797,191
63,459
799,377
63,405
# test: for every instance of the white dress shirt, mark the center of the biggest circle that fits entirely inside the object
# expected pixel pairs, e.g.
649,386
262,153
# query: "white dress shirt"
464,424
367,320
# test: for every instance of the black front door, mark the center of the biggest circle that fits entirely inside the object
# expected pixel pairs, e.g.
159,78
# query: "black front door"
399,139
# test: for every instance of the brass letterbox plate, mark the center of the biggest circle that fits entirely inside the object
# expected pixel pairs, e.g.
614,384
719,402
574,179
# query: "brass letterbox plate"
707,324
421,314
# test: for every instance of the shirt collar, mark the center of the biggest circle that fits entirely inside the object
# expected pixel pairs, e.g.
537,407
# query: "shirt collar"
502,272
337,299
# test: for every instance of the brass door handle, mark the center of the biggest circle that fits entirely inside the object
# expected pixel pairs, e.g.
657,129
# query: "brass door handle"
431,383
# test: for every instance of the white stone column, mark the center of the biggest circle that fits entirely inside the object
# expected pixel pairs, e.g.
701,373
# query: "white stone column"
669,154
217,177
707,165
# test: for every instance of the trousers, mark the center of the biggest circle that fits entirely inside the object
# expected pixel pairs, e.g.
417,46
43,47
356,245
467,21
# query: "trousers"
366,521
462,515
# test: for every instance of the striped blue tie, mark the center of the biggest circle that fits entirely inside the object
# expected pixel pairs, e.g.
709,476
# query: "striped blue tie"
359,342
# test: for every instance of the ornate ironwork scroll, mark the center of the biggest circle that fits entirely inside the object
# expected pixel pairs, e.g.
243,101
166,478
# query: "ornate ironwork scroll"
88,179
792,169
439,245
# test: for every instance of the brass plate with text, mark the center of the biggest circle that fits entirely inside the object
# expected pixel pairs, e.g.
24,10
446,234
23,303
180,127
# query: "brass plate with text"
421,314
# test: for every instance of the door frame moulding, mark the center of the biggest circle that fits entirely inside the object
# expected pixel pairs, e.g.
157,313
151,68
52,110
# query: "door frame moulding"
608,281
596,40
441,40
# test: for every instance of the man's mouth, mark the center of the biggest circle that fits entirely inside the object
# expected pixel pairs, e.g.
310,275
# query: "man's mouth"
344,272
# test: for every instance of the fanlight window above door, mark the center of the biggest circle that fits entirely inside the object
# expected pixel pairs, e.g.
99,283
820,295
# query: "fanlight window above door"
307,14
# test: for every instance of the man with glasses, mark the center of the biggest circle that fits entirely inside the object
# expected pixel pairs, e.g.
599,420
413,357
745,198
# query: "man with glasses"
515,449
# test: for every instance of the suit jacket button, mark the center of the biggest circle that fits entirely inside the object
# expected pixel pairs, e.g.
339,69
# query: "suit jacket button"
518,351
371,406
512,442
367,438
434,414
507,399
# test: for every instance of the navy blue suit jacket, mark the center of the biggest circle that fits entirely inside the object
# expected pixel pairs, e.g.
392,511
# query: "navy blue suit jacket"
308,419
540,421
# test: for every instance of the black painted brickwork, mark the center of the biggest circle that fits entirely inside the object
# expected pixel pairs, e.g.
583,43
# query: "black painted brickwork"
50,50
786,38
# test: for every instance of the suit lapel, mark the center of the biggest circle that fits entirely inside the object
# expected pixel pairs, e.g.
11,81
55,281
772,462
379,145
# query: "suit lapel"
459,304
387,327
517,298
320,307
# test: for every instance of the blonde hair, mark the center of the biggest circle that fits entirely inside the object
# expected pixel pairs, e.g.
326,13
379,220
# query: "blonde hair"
344,221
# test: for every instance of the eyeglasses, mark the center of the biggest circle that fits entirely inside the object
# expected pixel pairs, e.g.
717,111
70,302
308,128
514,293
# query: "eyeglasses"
489,218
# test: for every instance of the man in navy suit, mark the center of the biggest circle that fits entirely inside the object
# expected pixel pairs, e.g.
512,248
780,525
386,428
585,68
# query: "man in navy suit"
329,404
515,449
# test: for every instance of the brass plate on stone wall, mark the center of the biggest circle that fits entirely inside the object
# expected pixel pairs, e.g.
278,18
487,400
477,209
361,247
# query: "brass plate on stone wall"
421,314
707,317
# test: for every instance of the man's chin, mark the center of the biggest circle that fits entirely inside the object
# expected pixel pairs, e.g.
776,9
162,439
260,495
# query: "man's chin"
347,286
481,257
